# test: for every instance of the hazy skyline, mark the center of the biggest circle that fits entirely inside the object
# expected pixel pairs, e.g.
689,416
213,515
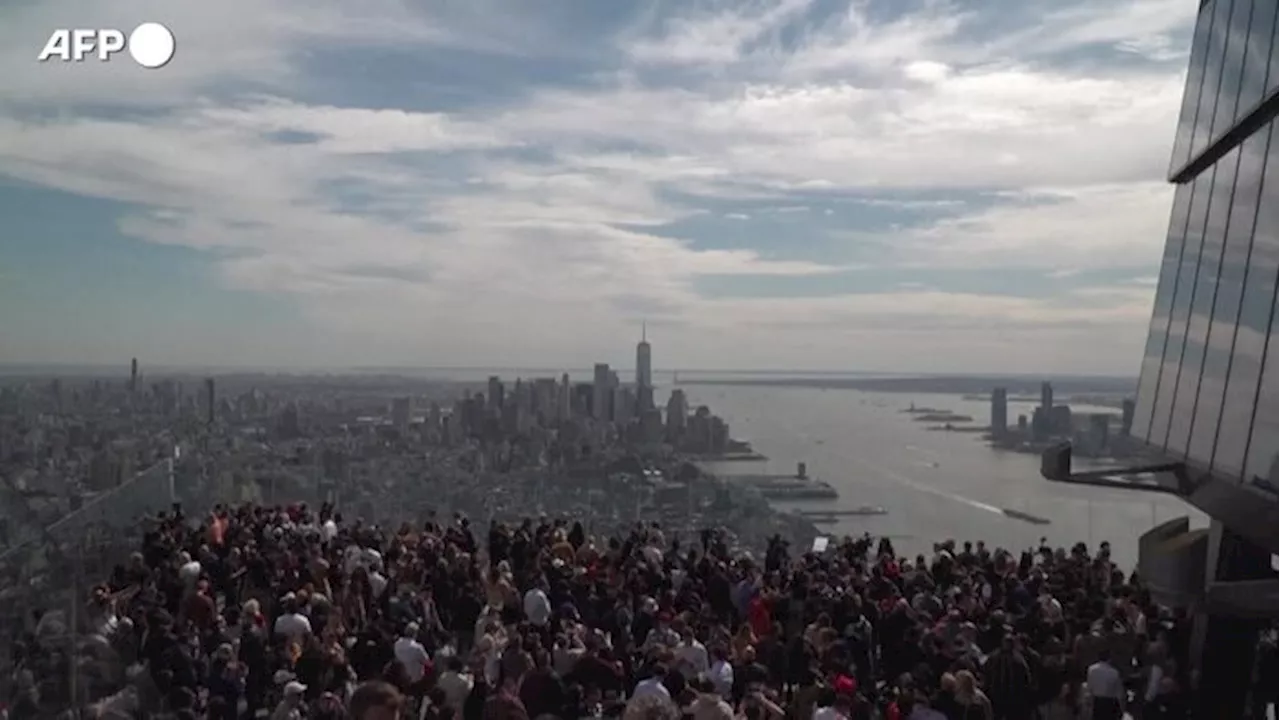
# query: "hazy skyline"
809,184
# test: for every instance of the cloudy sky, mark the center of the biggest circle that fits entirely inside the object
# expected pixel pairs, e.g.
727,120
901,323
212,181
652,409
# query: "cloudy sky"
823,184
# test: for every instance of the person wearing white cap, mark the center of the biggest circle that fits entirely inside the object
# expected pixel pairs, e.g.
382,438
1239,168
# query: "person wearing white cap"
290,707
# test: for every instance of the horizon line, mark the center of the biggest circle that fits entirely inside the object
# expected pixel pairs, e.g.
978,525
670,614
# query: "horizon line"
124,369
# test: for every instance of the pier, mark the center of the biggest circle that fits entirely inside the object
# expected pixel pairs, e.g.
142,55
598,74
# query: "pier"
754,479
848,512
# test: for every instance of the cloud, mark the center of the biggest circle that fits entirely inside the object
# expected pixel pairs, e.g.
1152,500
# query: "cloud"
560,211
1060,230
715,36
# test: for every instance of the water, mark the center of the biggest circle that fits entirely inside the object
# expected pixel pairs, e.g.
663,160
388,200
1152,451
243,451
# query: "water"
935,485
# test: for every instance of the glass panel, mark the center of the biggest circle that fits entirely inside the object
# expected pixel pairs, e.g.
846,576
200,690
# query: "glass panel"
1167,385
1160,314
1232,66
1258,59
1215,231
1191,94
1212,75
1251,330
1261,464
1226,308
1271,64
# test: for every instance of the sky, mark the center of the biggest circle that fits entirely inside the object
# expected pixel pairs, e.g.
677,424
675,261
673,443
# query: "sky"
881,185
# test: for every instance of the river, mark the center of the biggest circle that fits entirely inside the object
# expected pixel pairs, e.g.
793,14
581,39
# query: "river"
935,485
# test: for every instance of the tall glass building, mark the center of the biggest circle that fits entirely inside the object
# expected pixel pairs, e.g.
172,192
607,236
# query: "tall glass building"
1207,393
1208,387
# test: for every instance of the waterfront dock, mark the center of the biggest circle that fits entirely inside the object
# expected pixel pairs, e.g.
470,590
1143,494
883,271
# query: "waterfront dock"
763,478
863,511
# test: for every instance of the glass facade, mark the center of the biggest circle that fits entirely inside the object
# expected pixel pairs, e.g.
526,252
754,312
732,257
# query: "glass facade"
1208,388
1232,72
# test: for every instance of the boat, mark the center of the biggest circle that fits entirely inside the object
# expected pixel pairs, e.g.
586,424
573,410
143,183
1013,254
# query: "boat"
1025,517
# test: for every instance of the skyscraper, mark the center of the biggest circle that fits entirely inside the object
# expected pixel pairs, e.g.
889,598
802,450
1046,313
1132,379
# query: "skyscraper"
1207,391
495,394
999,412
1046,396
677,414
210,398
133,376
401,411
600,392
564,401
644,371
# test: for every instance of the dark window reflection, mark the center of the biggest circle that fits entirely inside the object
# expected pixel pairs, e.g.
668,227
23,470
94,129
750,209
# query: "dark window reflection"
1160,314
1259,60
1226,307
1213,75
1191,95
1183,288
1251,331
1202,300
1232,65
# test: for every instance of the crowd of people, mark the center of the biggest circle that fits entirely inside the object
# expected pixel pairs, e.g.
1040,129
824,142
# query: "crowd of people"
292,613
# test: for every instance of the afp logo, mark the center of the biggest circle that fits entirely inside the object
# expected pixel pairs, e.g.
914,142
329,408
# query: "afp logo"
150,44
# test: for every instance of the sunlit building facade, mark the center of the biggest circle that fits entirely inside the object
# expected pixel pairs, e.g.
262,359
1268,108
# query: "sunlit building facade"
1207,392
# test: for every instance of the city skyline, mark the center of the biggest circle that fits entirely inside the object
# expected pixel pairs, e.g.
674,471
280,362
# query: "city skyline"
919,187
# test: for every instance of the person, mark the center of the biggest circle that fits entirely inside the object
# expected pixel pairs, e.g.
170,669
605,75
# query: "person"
456,683
691,655
1106,689
706,704
674,624
291,623
1170,703
972,703
506,704
834,706
375,700
1065,705
1008,680
652,684
413,657
721,672
922,709
537,608
291,706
